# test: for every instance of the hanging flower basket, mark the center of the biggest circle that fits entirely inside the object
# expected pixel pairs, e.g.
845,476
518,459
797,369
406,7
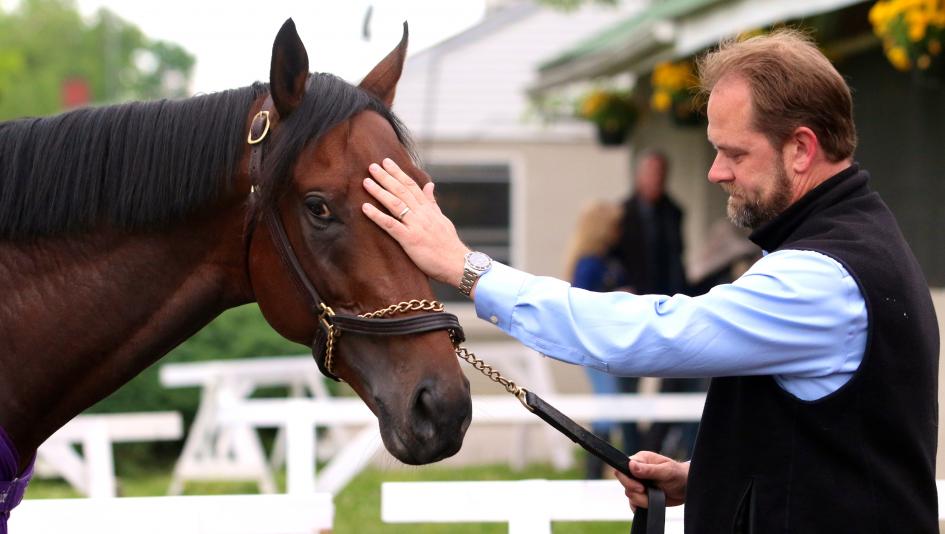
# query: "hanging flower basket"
611,137
613,112
675,88
913,35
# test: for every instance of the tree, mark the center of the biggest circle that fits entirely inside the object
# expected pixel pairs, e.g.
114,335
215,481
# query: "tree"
46,46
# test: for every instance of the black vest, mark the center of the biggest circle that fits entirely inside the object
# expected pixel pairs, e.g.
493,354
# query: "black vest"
861,459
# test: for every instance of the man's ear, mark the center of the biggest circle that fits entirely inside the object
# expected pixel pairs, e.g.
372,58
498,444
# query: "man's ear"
288,71
382,80
805,147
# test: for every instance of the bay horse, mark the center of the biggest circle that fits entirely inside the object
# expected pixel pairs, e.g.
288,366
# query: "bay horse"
125,229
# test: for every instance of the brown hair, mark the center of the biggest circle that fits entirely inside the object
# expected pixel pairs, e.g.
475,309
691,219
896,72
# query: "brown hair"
792,84
597,230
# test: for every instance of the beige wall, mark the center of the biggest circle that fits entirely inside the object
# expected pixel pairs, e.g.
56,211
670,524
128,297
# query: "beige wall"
550,184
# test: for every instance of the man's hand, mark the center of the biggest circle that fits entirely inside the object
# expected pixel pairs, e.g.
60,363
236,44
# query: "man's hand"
669,475
417,223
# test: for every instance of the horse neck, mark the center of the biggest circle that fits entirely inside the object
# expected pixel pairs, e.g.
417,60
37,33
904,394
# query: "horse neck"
82,316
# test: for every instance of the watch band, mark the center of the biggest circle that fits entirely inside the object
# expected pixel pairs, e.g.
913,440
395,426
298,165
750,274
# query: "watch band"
468,281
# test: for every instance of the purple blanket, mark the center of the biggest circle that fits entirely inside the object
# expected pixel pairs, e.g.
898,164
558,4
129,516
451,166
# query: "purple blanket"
12,487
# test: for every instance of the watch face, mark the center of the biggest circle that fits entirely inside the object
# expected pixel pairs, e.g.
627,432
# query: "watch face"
479,261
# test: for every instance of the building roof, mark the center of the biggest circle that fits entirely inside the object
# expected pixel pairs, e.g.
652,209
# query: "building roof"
473,86
667,30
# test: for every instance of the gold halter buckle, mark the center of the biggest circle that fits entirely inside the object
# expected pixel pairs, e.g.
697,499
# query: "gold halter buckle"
262,115
325,314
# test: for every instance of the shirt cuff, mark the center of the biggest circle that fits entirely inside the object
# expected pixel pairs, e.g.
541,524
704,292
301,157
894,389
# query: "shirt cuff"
497,293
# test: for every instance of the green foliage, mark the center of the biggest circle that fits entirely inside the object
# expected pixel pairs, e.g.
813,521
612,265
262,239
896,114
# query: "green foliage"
44,43
570,5
611,110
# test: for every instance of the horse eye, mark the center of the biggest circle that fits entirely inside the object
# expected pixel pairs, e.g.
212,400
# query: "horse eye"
319,208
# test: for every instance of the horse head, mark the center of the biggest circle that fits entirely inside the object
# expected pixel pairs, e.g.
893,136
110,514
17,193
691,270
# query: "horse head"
315,263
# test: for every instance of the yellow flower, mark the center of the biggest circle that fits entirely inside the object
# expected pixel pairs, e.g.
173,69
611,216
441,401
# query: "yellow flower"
672,83
673,76
899,58
878,15
917,22
661,101
909,29
592,104
935,47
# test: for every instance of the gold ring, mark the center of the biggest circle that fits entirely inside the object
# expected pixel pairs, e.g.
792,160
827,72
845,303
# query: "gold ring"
405,212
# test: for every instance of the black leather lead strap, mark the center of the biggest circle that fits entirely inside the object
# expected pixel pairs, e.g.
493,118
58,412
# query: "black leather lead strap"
645,521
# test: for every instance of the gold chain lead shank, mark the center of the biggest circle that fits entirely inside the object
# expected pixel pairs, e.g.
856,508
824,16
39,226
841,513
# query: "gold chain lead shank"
461,352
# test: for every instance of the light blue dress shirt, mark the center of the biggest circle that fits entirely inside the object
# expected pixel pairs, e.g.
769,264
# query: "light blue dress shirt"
796,315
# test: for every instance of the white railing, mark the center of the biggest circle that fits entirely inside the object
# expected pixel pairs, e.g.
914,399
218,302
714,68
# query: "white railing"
216,514
215,451
300,417
92,473
528,506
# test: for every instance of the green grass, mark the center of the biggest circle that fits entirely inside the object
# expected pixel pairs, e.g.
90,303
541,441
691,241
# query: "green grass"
358,506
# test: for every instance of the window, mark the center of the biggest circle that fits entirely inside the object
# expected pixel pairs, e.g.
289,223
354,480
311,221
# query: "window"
477,198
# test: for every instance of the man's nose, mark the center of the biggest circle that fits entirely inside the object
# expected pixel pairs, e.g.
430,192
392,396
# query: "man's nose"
719,172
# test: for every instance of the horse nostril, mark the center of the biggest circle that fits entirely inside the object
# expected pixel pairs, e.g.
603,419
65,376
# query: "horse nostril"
424,414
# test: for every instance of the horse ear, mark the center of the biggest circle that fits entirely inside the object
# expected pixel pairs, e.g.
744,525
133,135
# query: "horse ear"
289,70
382,80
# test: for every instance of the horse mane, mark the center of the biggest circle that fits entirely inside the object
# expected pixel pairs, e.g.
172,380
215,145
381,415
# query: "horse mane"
143,166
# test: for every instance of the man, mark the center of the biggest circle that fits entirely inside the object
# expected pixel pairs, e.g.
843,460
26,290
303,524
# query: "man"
822,416
650,246
650,249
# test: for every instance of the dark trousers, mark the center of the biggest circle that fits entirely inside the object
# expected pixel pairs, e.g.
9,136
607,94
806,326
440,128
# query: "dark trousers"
675,440
630,439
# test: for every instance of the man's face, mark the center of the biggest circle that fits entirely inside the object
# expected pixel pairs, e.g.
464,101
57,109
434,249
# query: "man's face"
650,178
746,166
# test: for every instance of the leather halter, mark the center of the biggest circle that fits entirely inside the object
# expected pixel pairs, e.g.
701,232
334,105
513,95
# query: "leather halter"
330,324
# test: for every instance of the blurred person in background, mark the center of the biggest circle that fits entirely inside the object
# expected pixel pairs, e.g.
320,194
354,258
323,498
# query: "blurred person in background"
590,265
651,251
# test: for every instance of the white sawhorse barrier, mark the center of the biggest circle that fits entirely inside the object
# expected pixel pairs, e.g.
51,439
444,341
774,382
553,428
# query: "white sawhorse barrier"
216,451
231,450
93,472
531,370
528,506
216,514
300,417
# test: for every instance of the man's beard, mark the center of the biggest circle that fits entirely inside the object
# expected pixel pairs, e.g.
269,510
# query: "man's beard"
754,212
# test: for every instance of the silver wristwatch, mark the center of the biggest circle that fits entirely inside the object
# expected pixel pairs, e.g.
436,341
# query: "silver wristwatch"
477,263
